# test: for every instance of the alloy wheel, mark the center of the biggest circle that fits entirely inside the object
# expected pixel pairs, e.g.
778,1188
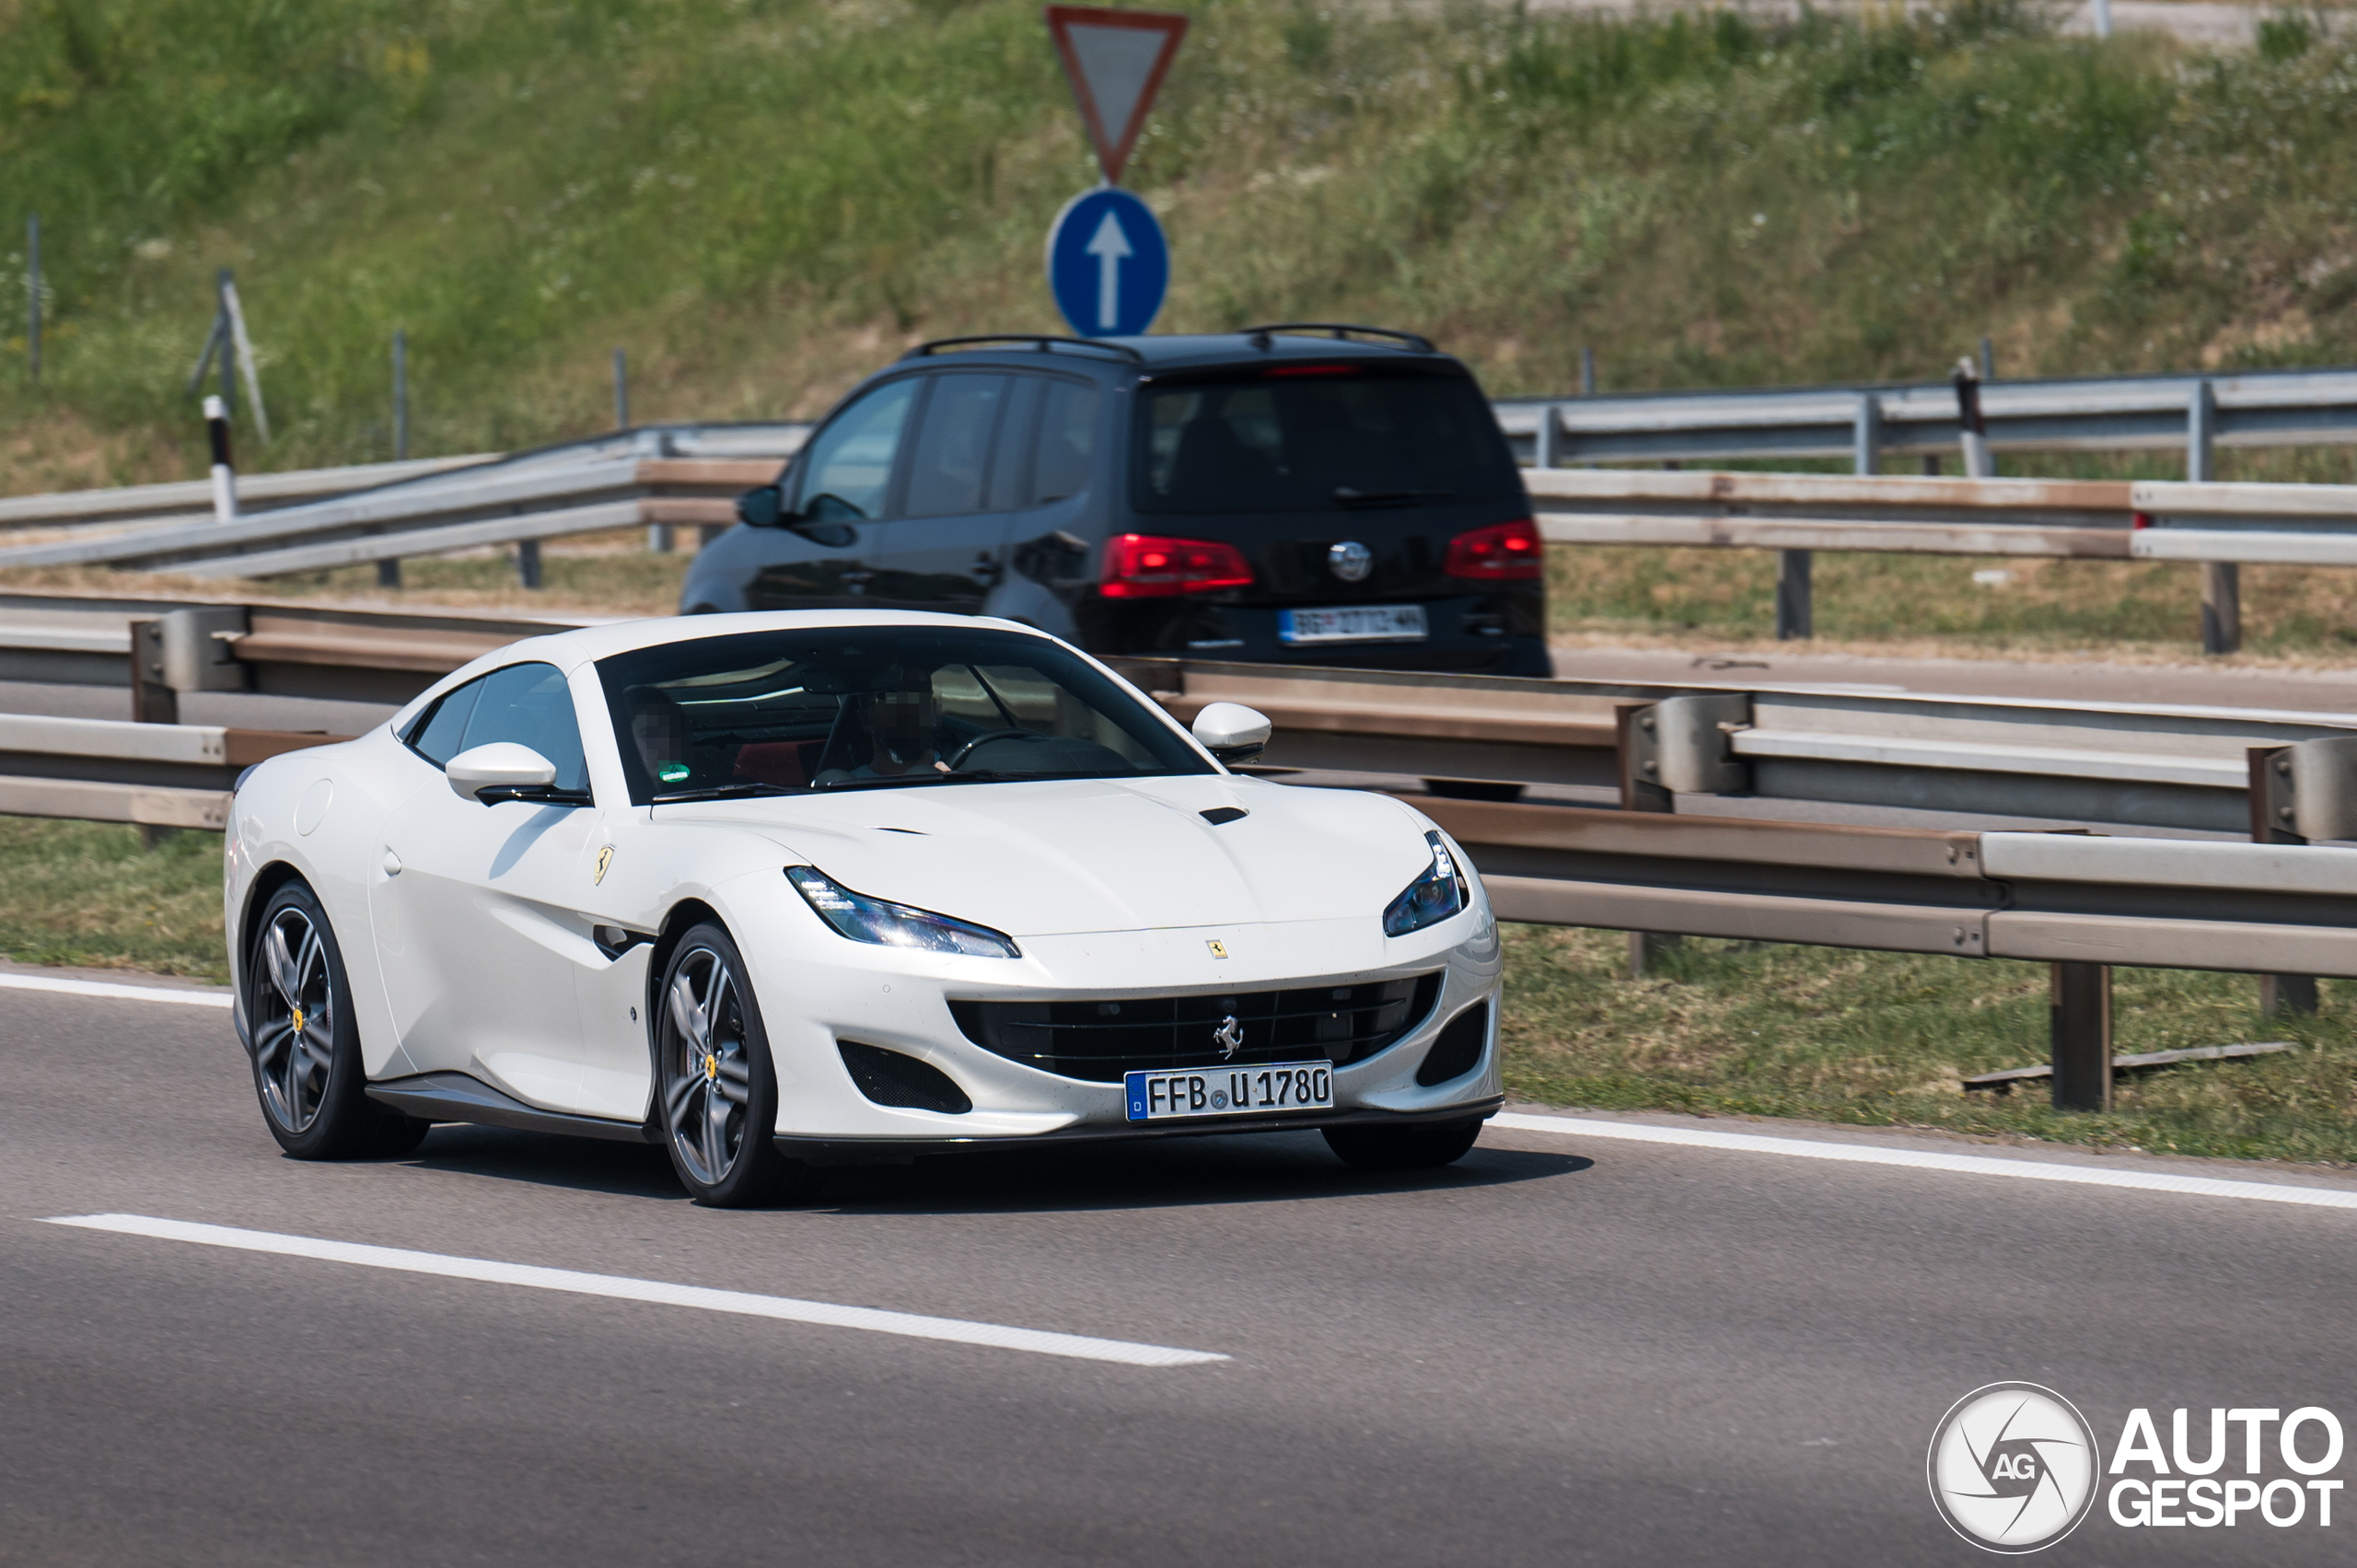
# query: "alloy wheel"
711,1079
294,1028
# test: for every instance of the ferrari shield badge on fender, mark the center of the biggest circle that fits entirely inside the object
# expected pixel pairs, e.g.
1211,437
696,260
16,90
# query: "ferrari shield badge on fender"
605,858
1218,947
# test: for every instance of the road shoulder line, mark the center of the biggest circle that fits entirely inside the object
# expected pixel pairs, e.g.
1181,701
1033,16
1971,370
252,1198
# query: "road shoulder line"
1918,1159
192,996
662,1293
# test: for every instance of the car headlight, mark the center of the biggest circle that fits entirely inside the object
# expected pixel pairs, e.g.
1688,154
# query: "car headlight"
863,919
1430,898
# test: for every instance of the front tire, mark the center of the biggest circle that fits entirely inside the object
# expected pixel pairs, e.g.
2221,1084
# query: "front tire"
1424,1146
717,1088
307,1069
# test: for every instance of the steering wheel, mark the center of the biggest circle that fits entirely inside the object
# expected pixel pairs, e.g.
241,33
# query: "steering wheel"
986,737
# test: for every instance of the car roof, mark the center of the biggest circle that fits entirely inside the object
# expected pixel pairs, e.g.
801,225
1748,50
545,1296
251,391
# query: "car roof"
1121,358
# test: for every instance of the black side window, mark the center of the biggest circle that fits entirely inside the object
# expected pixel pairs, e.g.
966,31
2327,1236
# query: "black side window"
437,737
953,447
1010,467
530,704
1067,441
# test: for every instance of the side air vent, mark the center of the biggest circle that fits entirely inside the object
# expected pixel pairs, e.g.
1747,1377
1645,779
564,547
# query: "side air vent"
888,1077
1459,1050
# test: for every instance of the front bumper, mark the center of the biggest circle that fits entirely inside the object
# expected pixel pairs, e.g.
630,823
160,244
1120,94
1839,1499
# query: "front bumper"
900,1150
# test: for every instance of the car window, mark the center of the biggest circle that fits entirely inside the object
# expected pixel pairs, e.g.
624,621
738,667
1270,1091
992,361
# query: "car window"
952,445
1301,438
440,736
531,705
873,707
850,460
1010,465
1067,441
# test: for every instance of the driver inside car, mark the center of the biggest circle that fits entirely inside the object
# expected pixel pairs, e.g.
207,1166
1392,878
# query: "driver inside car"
899,721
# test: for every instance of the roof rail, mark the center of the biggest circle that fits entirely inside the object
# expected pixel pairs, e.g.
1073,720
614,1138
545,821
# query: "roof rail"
1341,330
1043,341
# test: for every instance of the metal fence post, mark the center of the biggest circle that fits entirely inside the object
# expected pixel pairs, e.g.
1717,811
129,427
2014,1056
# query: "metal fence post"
1544,447
224,464
1638,747
2274,816
389,571
2222,598
1972,430
528,562
2079,1015
1988,358
32,294
1587,371
2103,17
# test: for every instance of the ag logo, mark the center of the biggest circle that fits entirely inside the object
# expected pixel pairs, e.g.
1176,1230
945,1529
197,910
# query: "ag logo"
2013,1468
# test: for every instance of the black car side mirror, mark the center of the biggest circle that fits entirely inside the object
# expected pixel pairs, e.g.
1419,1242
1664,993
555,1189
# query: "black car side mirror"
762,508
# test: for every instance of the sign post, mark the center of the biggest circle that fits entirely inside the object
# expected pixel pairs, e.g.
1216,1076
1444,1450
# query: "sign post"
1107,265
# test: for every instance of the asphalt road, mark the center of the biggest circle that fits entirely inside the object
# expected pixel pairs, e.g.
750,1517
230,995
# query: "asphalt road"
1565,1350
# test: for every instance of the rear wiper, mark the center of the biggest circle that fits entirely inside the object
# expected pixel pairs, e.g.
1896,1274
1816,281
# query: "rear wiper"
723,791
1345,496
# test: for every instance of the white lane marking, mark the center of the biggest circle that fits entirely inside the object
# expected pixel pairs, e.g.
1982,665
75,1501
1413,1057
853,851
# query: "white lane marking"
214,996
1969,1165
622,1287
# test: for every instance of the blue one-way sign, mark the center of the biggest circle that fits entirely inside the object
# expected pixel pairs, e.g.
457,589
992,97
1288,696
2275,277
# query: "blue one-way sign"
1107,263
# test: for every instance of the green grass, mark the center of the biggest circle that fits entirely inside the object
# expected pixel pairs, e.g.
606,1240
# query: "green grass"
1883,1038
85,893
764,198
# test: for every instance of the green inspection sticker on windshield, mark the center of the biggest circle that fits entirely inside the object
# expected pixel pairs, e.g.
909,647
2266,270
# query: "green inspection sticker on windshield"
672,772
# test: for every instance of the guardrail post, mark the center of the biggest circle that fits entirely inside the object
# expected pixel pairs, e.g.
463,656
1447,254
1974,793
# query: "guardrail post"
1587,371
528,562
2275,819
1642,789
389,570
153,701
2222,603
2080,1019
1544,446
1795,611
1972,429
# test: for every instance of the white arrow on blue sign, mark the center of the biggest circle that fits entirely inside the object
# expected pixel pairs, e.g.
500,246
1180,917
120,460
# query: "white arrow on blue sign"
1107,263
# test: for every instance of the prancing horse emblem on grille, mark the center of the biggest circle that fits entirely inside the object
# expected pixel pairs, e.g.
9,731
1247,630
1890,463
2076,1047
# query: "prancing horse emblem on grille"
1230,1036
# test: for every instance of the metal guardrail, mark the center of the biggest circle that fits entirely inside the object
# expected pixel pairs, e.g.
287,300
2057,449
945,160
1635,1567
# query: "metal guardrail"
661,476
157,776
2257,408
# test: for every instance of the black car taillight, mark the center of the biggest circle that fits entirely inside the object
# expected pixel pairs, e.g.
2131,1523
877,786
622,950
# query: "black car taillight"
1502,552
1142,565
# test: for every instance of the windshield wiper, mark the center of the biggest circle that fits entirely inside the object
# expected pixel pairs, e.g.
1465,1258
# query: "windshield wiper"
723,791
1346,496
899,780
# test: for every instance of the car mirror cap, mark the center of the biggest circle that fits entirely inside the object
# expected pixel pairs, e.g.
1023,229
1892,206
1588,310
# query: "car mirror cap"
1231,732
502,764
763,507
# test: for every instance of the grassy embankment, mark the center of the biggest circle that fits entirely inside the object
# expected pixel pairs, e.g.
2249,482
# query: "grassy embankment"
763,198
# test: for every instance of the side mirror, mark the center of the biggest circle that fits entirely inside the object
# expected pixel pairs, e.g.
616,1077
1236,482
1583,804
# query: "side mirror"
489,774
762,508
1231,732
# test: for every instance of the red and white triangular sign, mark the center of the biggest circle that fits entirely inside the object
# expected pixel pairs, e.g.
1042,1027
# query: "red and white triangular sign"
1116,61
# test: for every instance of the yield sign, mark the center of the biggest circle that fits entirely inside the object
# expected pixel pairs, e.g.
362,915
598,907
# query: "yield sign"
1116,61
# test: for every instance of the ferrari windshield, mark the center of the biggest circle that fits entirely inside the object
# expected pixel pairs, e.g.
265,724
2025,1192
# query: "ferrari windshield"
873,707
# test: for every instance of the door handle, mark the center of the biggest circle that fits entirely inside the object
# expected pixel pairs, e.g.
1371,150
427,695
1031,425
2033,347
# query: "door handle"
392,864
986,569
855,578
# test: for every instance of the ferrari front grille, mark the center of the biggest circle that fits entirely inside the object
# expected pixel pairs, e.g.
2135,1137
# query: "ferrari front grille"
1101,1040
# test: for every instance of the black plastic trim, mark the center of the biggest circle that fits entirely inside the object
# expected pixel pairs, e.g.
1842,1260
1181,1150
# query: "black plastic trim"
1342,331
894,1078
457,1096
1457,1049
899,1151
1042,340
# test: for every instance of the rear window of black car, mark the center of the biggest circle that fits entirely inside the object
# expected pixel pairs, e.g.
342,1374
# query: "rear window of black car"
1309,438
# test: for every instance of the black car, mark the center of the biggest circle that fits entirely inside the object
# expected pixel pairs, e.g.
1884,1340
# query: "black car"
1274,493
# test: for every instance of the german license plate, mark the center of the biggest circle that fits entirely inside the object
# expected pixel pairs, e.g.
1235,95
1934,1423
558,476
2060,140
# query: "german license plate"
1231,1091
1353,623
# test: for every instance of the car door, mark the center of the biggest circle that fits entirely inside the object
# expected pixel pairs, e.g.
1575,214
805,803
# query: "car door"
842,480
944,546
1048,465
475,906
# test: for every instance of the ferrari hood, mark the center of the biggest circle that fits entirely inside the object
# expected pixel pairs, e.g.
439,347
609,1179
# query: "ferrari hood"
1059,857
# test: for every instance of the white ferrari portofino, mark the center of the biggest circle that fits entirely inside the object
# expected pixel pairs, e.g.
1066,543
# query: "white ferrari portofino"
784,890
